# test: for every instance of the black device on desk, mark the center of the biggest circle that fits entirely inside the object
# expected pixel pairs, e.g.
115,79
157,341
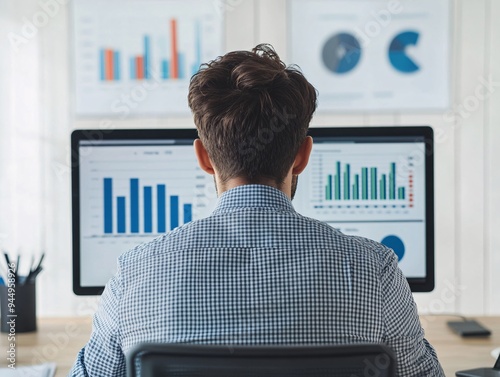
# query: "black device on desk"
481,372
469,329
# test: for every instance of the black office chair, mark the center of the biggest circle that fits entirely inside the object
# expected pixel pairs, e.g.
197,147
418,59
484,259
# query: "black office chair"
187,360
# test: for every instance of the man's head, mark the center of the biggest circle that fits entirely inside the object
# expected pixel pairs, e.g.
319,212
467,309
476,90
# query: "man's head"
252,115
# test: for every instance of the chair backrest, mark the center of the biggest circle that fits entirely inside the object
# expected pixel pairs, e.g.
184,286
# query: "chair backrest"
187,360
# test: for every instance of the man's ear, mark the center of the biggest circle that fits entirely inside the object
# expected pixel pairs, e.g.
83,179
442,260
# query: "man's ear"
202,156
302,157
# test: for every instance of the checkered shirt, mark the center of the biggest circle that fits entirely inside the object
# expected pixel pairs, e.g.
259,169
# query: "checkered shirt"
256,272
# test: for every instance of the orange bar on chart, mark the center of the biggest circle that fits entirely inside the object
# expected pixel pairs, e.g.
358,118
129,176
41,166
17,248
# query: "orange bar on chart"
139,64
175,55
109,65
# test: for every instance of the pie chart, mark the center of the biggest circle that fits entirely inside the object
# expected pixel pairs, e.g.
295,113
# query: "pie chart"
341,53
395,243
397,52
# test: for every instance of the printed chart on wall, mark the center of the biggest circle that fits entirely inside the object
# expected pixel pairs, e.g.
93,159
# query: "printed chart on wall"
135,57
373,55
374,190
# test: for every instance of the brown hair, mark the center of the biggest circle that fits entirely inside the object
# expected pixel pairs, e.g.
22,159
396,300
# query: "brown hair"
252,113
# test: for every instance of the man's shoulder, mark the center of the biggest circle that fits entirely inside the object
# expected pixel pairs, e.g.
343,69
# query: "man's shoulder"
304,233
334,236
161,244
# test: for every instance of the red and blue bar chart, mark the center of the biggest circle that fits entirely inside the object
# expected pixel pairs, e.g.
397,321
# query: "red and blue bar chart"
142,66
109,63
135,54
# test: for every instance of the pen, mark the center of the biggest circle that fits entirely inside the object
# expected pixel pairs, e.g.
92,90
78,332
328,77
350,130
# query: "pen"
34,272
17,267
33,275
41,260
7,259
31,269
28,278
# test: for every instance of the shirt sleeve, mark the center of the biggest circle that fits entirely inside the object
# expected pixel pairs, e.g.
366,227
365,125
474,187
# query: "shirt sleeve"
403,332
103,355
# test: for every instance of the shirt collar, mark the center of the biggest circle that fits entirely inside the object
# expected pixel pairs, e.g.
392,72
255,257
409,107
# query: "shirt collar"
253,196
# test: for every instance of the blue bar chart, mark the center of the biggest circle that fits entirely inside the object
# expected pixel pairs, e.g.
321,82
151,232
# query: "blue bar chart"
137,214
134,191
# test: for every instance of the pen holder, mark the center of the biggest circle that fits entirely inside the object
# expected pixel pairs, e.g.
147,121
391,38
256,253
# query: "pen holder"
18,308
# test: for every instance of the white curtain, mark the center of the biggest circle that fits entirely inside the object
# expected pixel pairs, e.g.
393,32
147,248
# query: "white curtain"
21,150
35,127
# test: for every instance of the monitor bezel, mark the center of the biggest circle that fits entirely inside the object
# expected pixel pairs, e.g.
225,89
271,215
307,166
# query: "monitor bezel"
425,284
95,137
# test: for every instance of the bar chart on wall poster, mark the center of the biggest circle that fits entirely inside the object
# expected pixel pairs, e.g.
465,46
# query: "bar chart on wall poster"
132,193
373,54
136,57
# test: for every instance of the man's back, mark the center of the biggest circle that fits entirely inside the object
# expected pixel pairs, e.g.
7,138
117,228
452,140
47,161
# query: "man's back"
257,272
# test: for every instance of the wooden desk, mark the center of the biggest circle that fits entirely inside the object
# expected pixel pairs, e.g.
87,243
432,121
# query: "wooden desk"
457,353
60,339
57,340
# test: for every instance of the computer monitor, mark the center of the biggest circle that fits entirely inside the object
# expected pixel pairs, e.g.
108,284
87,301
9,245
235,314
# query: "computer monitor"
130,186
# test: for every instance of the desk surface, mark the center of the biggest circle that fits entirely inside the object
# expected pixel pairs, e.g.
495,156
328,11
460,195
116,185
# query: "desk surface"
59,340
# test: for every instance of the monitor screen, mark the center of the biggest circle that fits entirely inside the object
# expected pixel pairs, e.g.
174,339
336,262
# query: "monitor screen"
130,186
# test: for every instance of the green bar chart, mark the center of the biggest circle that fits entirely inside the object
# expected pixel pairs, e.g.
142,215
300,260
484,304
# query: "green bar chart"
367,183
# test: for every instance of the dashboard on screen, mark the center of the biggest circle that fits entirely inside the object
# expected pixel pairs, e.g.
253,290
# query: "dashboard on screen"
130,186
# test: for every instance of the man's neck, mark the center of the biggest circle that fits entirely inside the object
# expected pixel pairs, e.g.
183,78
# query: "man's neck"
236,182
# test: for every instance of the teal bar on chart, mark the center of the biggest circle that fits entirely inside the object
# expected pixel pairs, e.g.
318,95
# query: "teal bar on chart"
373,176
364,183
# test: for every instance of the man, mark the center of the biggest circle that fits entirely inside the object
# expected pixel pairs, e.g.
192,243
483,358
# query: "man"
255,271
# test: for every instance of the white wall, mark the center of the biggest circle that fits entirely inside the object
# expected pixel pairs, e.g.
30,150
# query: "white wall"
36,120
